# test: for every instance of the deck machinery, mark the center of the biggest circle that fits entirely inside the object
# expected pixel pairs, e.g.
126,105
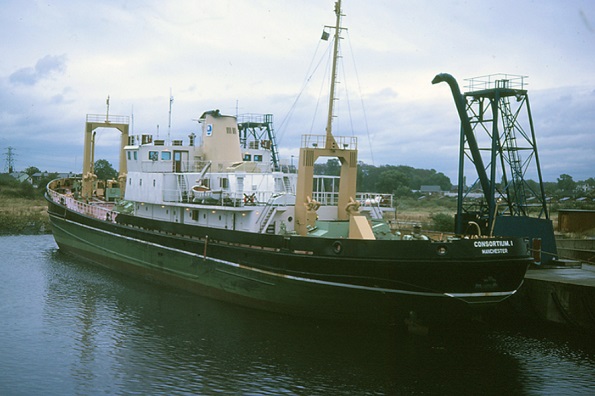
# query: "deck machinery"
498,140
257,130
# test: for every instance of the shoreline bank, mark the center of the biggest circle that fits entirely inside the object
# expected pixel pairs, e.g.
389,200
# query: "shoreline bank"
24,217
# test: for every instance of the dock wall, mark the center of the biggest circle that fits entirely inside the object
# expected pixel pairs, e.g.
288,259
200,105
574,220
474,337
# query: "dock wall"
552,298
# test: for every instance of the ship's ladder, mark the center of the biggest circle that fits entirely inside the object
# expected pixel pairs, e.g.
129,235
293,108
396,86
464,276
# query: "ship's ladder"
287,185
372,205
265,218
375,211
514,159
182,188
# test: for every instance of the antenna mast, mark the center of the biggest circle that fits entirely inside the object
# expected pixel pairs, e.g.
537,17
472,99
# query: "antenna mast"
107,111
171,100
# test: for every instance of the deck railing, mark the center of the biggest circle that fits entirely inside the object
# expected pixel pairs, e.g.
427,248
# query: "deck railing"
219,197
107,118
99,210
104,210
499,80
343,142
364,198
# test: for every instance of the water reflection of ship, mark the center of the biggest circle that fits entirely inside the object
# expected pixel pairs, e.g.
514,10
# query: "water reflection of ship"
157,337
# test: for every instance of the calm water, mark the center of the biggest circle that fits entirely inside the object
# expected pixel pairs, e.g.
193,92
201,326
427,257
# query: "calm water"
67,327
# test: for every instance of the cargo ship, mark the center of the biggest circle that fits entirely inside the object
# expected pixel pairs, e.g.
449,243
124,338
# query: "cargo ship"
217,215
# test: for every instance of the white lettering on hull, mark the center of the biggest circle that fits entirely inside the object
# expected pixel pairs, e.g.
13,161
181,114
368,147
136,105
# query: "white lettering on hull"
493,247
494,251
484,244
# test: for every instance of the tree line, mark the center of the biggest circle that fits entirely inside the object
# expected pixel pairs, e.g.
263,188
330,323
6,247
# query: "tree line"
400,180
11,187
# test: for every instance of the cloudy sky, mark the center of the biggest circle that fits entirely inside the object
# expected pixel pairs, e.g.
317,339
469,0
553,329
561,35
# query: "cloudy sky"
61,60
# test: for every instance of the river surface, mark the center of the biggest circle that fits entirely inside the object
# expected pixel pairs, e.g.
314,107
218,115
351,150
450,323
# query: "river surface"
70,328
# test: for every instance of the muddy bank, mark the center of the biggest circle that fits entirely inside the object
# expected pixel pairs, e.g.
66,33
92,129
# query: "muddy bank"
19,219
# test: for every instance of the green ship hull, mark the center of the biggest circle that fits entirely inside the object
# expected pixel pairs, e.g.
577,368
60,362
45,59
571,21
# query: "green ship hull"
288,280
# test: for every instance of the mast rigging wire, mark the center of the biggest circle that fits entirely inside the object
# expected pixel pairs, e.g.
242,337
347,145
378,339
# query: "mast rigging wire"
361,96
308,78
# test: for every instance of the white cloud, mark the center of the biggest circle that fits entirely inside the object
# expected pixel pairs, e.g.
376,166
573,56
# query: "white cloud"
44,67
66,57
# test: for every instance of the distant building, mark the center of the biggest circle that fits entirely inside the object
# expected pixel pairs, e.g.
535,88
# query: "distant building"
431,190
21,176
583,187
37,177
576,220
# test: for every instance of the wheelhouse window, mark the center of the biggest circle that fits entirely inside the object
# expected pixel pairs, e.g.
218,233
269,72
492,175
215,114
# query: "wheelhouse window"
166,155
257,158
153,155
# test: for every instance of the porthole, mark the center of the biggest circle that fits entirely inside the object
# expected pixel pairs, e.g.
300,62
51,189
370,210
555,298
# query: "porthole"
337,247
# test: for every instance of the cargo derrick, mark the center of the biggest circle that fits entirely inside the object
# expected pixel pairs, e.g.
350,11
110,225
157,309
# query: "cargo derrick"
492,124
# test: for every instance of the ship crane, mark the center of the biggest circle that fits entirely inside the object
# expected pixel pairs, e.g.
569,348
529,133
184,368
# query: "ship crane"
498,138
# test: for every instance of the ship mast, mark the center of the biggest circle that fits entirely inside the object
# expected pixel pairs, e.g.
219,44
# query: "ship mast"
330,140
345,151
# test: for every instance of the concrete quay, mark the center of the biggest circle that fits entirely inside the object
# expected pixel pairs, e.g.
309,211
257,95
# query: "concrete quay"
559,295
582,249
